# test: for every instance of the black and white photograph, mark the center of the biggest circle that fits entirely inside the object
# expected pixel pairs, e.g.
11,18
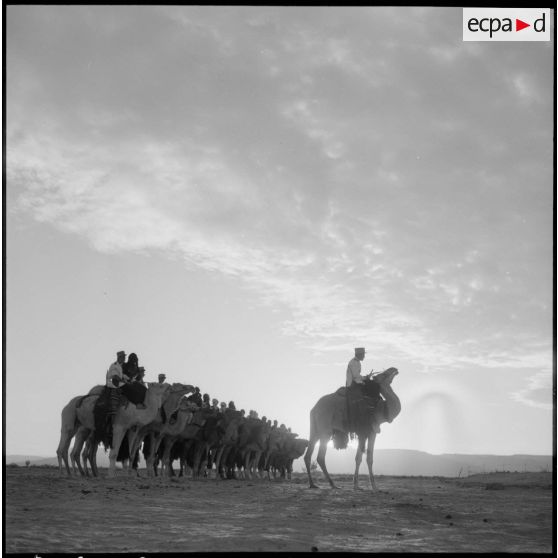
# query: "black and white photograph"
278,279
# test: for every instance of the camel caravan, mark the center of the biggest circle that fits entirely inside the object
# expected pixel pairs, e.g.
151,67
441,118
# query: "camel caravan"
169,422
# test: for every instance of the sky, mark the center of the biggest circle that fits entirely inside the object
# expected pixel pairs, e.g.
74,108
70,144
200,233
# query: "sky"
243,195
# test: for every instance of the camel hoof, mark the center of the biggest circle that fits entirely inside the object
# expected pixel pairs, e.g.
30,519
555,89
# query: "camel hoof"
314,486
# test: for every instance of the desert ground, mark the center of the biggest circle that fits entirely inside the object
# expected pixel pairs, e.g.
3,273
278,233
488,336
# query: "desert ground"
497,512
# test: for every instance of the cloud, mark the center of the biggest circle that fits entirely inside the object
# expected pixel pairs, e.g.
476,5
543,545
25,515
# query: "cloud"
370,182
538,392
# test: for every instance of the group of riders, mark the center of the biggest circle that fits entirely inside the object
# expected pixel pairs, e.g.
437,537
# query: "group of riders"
126,378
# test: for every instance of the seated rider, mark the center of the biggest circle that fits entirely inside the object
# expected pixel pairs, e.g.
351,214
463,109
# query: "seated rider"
354,383
133,391
115,379
130,368
196,397
140,375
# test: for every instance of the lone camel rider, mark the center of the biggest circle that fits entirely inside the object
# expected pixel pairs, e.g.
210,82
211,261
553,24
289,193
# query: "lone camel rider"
354,367
354,382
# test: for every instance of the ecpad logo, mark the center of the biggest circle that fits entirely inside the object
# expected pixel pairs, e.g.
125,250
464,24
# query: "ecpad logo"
506,24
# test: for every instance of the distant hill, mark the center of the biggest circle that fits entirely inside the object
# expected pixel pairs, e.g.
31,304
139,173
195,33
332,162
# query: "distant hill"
395,462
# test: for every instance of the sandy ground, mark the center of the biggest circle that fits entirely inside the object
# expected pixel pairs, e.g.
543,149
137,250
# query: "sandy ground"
500,512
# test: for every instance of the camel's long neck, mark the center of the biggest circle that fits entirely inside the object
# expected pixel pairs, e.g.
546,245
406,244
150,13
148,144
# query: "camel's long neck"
393,404
170,404
183,418
153,402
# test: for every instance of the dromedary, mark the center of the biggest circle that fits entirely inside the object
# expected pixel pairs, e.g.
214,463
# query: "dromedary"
67,432
171,403
125,418
70,427
324,421
157,433
130,416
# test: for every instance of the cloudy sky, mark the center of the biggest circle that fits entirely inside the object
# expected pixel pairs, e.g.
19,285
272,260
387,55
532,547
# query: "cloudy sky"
242,195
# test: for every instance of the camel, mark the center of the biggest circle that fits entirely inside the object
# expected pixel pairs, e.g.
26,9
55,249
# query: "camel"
184,415
323,427
233,420
253,436
273,448
70,428
208,438
243,450
126,417
171,403
67,432
129,417
282,461
186,434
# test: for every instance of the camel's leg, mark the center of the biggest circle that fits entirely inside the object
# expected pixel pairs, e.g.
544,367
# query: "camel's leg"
185,467
150,457
74,458
202,469
135,448
91,453
66,435
321,459
267,460
358,460
308,461
220,460
200,454
79,441
195,463
253,464
370,460
166,460
247,465
158,463
212,461
81,436
132,436
225,465
118,434
290,469
85,457
135,462
259,467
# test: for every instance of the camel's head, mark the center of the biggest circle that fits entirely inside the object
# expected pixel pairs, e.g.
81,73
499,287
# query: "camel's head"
158,388
185,405
386,377
185,388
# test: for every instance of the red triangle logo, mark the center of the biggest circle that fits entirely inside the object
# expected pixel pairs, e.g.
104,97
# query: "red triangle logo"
519,25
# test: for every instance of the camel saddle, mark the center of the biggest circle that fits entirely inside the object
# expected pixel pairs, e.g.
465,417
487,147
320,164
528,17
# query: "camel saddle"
358,405
105,407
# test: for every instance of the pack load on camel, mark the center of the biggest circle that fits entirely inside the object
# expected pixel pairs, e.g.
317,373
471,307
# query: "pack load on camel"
359,406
